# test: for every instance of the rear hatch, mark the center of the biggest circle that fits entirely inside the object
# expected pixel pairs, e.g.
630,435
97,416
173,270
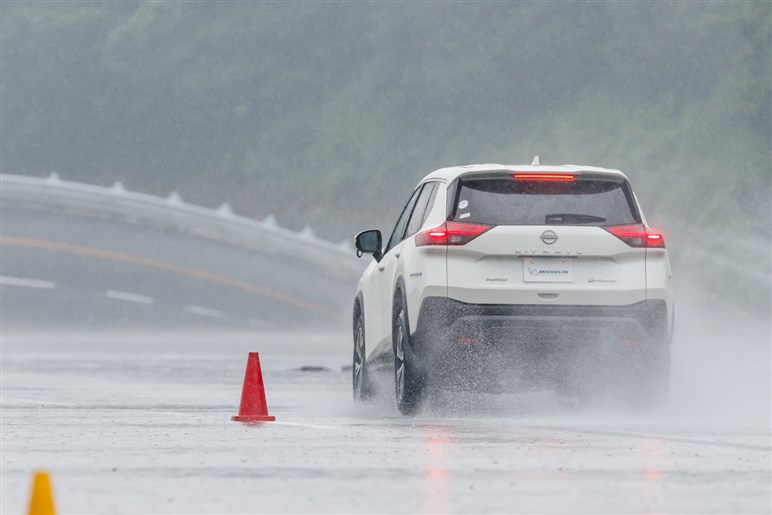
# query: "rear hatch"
546,238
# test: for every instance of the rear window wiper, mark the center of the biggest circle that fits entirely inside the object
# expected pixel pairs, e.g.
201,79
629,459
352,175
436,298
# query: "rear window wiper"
572,218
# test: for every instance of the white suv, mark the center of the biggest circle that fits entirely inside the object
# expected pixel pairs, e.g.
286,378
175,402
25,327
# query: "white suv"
497,274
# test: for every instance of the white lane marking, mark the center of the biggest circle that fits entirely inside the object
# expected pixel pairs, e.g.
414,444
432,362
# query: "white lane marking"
27,283
129,297
297,424
14,403
198,310
654,436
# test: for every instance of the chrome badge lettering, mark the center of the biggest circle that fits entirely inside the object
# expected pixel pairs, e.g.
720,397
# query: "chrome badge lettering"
548,252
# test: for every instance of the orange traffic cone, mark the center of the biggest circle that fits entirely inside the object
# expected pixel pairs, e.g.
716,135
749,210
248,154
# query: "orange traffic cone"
253,406
42,500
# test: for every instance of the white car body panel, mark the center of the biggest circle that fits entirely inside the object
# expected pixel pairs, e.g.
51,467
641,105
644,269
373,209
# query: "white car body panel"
490,268
659,279
425,273
367,289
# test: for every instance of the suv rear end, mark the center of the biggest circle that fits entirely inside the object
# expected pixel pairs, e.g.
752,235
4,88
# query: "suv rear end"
552,274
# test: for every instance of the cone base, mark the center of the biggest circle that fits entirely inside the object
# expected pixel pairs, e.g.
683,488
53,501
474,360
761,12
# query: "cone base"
253,418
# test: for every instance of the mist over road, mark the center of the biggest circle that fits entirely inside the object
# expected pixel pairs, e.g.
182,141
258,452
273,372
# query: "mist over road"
123,347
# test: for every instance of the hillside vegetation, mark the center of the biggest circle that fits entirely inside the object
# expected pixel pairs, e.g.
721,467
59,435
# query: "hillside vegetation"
328,113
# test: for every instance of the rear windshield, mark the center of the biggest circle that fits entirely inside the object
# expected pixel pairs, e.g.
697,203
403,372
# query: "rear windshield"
506,201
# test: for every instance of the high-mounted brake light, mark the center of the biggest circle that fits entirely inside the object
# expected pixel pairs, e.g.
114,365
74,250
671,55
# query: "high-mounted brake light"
544,176
638,236
451,233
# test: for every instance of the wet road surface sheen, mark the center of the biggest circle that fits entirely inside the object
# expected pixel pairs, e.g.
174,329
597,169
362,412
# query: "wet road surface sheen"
141,424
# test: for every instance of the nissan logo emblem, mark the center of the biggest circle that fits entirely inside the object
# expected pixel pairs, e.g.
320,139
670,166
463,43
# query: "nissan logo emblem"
549,237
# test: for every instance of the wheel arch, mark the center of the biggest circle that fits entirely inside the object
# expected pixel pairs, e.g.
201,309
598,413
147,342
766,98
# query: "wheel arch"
399,292
358,308
400,297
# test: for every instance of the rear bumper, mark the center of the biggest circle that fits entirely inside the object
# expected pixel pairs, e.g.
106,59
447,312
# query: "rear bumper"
440,316
449,331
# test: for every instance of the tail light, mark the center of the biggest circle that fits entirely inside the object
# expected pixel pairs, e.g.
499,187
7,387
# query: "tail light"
450,233
638,236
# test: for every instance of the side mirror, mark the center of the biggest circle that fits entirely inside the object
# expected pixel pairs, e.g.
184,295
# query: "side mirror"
369,242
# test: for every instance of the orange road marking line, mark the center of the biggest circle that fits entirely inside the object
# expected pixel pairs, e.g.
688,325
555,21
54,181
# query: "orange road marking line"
171,267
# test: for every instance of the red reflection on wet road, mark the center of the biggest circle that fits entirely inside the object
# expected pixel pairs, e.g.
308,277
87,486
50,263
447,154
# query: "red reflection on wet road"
652,453
436,482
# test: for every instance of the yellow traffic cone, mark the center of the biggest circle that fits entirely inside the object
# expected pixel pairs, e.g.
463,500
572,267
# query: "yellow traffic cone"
42,500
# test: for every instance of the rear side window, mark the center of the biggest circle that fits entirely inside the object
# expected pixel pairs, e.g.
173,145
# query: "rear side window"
399,229
506,201
422,205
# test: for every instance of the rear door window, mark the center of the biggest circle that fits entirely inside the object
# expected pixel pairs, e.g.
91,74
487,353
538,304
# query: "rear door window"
506,201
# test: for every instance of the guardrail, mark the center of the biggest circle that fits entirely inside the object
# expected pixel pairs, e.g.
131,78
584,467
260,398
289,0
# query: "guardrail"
334,259
222,224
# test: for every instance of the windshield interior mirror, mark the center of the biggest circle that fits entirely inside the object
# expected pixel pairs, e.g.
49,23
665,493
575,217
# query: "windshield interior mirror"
369,242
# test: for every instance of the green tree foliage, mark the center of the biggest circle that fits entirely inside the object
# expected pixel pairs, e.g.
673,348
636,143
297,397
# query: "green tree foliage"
328,113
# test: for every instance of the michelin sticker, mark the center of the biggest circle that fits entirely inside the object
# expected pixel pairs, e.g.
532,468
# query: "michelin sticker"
463,204
548,270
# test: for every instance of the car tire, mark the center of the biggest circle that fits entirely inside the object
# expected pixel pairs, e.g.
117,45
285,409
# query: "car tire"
408,386
362,390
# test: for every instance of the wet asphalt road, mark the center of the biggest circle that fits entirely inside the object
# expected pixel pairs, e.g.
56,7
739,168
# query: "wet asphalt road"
141,424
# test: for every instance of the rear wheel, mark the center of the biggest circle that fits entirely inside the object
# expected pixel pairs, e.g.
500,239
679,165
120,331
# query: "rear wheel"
360,383
408,386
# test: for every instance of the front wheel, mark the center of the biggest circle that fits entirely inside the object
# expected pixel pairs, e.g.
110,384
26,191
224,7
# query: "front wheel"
408,386
360,383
